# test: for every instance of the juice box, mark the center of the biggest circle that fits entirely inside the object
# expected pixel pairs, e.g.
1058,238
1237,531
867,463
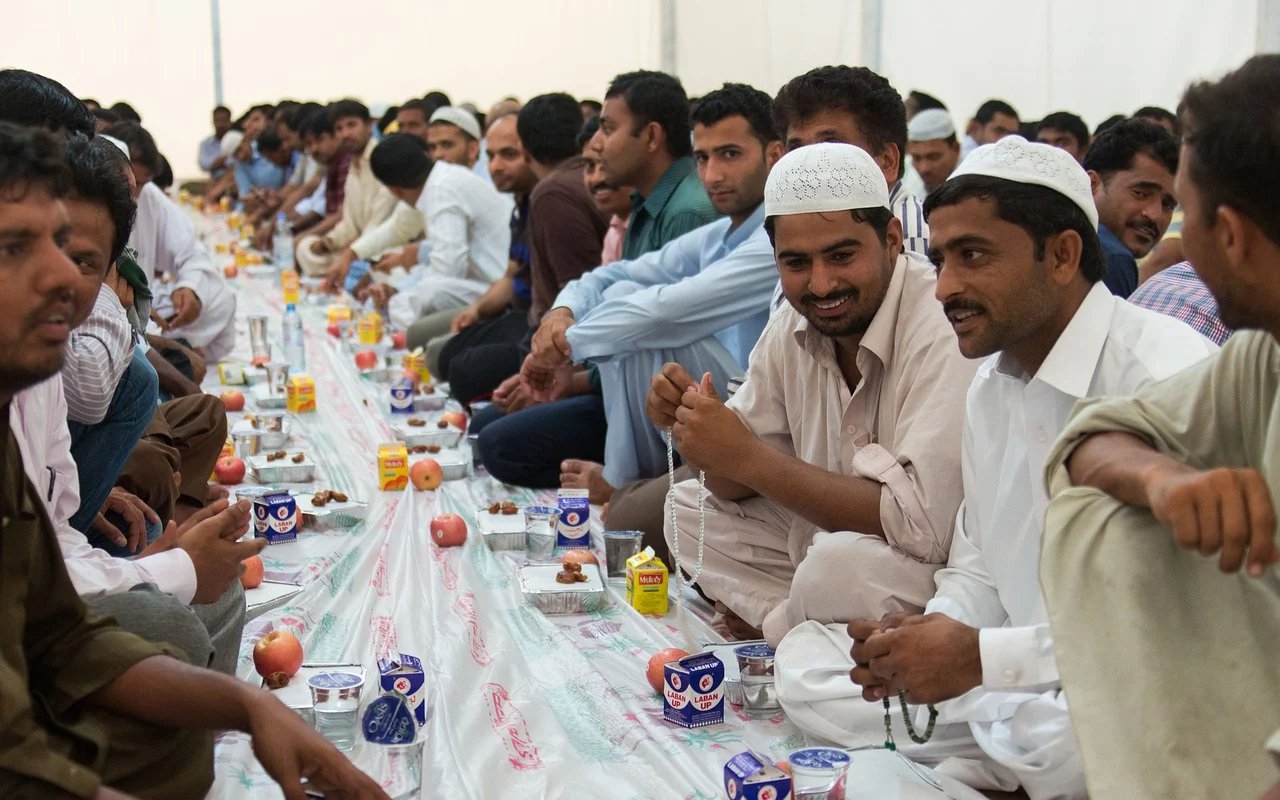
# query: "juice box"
393,466
575,517
647,583
405,675
749,776
275,517
369,328
401,393
416,360
300,394
231,373
289,285
338,312
693,691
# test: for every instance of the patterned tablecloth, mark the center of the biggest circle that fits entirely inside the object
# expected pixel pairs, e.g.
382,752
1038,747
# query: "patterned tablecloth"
522,704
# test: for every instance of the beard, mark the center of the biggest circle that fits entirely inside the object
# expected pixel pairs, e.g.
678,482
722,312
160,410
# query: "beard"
863,304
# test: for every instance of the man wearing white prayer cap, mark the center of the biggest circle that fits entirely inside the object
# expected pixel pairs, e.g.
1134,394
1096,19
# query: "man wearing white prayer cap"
833,473
1019,265
453,135
932,145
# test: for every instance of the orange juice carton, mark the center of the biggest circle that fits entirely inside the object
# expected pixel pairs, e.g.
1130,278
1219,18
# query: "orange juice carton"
393,466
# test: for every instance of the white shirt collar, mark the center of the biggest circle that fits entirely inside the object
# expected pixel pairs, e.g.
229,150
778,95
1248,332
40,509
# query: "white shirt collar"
1071,363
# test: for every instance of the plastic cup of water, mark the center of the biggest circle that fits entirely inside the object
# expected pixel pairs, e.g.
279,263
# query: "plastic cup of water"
335,702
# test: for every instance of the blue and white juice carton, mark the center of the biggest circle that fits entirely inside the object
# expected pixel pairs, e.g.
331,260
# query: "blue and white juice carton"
573,525
401,393
405,676
693,691
275,518
749,776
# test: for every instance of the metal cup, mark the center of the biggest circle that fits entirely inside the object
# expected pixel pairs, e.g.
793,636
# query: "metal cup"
618,547
473,444
247,443
759,692
277,378
270,427
258,335
540,531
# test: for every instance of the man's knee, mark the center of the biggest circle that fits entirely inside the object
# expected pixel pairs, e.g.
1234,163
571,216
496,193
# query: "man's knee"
846,576
223,620
158,617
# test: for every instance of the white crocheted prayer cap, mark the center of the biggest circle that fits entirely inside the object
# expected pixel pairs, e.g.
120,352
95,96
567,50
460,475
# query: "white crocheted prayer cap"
1015,159
230,141
458,116
121,146
824,177
930,124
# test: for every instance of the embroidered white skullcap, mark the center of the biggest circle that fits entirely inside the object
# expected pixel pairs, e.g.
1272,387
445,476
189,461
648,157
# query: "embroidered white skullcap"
458,116
121,146
230,141
824,177
1015,159
930,124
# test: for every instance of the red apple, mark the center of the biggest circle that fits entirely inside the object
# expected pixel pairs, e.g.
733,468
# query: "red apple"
448,530
366,359
230,271
229,470
399,340
233,399
277,652
455,418
251,576
426,474
659,660
335,330
260,360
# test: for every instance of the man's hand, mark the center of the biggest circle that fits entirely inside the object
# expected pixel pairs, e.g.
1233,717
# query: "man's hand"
550,346
405,257
320,247
379,293
118,284
708,433
665,393
933,658
1227,510
215,553
289,750
136,515
466,318
538,378
337,274
512,395
186,308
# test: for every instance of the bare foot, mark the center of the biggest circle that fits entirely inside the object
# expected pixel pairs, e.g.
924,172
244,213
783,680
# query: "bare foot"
587,475
737,626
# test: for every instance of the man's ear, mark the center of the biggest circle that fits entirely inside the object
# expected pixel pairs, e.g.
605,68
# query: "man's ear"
1095,182
1063,253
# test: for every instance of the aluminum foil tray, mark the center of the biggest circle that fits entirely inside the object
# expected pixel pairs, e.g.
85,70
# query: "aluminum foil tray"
539,587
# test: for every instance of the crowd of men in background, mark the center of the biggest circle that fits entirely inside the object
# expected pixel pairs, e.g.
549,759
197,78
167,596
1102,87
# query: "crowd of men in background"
950,417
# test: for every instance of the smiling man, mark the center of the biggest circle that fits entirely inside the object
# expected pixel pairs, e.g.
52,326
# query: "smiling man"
1131,168
849,419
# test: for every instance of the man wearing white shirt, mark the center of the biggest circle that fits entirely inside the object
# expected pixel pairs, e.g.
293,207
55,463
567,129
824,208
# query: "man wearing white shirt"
468,229
1019,269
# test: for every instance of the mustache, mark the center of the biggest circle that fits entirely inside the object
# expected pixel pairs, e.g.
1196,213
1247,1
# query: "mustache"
598,185
810,297
62,303
952,306
1148,227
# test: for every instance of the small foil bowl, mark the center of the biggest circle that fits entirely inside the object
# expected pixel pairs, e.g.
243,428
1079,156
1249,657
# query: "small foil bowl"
272,428
539,590
427,434
430,402
501,531
282,470
334,516
454,466
733,692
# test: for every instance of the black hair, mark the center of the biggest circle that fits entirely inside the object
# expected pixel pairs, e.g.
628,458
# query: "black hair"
89,102
589,129
1027,129
401,161
1038,210
737,100
1232,136
30,99
988,110
292,119
1115,148
594,105
1066,122
874,104
1158,114
656,97
222,109
548,127
30,156
106,115
98,176
142,148
925,101
877,218
348,108
269,141
388,117
1107,124
163,176
317,123
419,105
436,99
126,112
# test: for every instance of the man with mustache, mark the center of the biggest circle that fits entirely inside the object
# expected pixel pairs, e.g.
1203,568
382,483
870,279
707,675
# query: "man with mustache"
849,419
1131,168
1019,270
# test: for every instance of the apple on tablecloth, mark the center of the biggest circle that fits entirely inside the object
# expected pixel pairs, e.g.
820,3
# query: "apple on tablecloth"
426,474
233,399
253,572
229,470
448,530
277,657
659,660
366,359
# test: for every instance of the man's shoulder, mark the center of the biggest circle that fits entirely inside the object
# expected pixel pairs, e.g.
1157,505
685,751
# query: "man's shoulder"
921,321
1158,343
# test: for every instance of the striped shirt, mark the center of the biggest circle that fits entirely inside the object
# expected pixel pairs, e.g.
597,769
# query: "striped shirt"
910,212
98,353
1179,292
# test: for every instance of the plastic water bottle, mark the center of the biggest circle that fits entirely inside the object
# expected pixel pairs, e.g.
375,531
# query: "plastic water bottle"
282,243
295,349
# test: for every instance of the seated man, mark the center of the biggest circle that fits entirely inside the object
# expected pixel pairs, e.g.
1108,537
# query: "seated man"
1167,500
1179,292
191,296
933,147
210,156
268,166
849,419
320,213
92,711
467,221
1066,131
1131,166
1014,239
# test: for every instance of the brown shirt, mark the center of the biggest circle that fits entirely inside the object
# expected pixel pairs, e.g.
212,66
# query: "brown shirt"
566,232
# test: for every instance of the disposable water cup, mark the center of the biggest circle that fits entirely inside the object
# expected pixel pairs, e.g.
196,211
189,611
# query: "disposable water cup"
618,547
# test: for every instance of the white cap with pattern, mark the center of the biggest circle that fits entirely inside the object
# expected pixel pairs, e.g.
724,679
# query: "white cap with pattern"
1015,159
824,177
458,116
930,124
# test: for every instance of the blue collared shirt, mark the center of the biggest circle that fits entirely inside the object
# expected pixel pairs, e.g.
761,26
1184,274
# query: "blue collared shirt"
1122,268
260,172
715,280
